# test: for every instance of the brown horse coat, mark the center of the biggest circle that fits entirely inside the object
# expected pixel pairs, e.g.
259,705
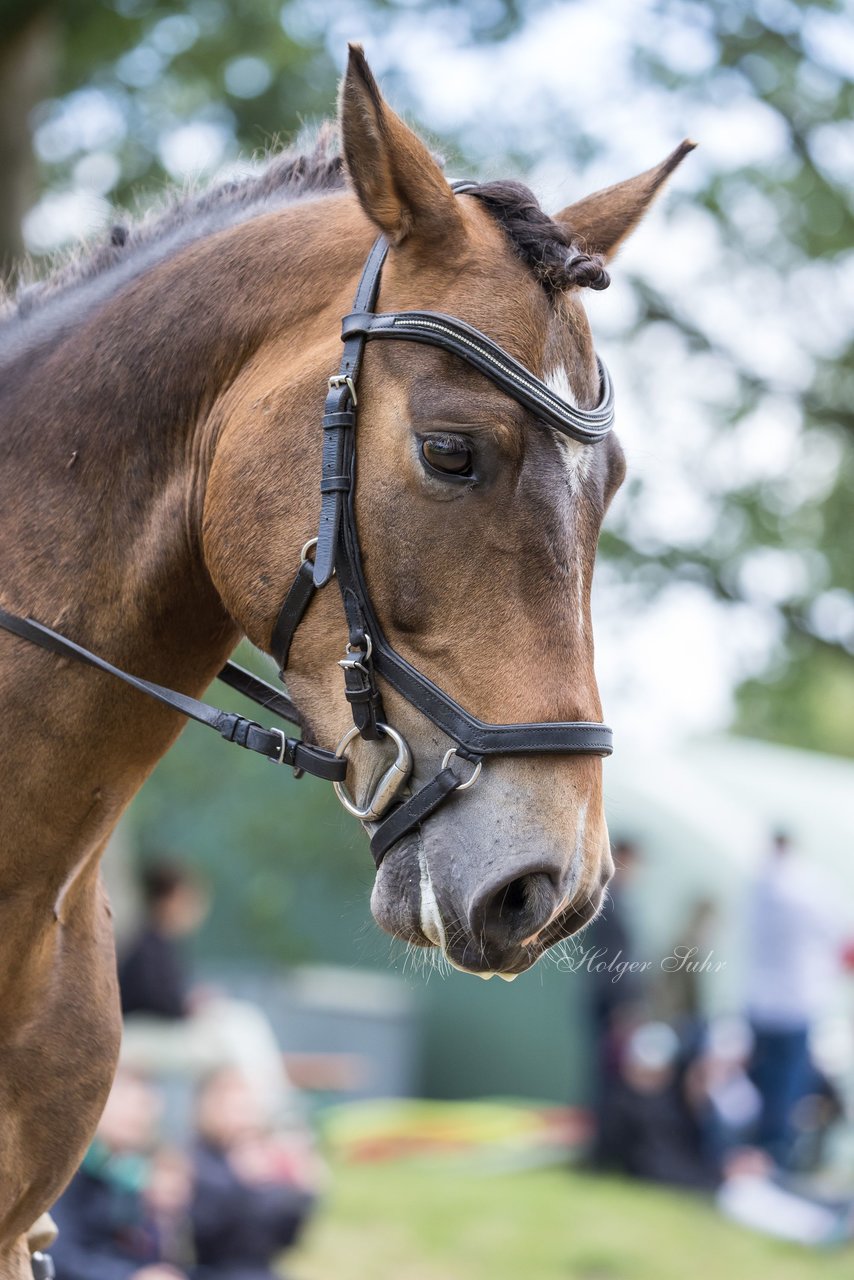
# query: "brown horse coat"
159,454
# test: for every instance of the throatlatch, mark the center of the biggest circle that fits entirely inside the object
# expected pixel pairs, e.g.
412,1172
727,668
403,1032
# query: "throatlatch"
368,654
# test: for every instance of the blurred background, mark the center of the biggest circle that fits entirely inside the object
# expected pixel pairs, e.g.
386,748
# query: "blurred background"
724,614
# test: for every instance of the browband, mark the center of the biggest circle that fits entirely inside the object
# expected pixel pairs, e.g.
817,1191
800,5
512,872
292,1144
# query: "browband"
438,330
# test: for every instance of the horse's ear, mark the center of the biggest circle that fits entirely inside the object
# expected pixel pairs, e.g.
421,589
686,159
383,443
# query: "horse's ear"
399,185
602,221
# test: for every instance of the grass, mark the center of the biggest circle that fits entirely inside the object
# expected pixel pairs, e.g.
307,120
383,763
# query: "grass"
407,1221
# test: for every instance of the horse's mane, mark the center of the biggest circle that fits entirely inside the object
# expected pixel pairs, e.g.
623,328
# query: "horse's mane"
546,247
286,176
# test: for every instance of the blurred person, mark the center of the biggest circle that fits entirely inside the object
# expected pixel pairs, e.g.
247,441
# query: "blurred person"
653,1133
795,942
175,1027
254,1189
154,976
612,1000
650,1130
679,996
168,1196
719,1088
108,1225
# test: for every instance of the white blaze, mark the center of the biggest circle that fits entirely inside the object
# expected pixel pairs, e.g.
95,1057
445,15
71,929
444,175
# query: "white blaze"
576,457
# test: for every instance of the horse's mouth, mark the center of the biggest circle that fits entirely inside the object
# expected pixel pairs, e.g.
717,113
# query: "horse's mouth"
465,957
406,904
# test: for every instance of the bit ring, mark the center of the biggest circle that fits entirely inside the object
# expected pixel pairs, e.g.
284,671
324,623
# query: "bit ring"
390,784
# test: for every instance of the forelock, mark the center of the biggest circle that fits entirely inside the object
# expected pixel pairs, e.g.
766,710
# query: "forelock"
549,250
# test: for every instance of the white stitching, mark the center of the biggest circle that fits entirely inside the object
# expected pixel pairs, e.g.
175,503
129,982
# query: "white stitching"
581,417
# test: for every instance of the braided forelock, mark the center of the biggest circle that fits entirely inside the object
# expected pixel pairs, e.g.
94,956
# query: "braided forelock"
556,258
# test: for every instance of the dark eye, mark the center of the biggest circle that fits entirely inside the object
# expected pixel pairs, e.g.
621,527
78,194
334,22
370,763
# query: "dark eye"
448,454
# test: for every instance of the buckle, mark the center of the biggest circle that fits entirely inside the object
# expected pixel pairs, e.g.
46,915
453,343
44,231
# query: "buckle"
355,659
344,380
311,545
280,758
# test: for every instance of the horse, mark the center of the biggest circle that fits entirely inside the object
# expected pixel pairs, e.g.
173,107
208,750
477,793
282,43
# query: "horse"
158,406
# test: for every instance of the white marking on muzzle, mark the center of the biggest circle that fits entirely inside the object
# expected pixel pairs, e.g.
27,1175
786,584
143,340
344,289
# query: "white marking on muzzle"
434,930
431,917
433,926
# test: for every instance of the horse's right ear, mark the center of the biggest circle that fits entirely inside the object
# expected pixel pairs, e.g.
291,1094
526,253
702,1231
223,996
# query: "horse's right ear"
399,185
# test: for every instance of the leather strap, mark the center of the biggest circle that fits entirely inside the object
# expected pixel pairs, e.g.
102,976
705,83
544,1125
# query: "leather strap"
291,614
475,736
339,420
409,815
339,417
257,690
439,330
571,737
271,743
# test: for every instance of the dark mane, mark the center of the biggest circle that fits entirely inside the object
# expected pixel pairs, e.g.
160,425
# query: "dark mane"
547,249
288,176
556,259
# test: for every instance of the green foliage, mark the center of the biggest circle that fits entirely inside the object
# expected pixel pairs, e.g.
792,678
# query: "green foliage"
802,227
230,65
807,702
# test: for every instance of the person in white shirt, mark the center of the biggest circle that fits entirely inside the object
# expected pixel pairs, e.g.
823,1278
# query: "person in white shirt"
794,957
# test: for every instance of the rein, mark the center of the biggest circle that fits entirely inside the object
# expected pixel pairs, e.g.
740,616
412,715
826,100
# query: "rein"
368,652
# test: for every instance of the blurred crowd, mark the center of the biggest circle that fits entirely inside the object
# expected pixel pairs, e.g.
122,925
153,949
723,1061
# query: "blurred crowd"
223,1198
736,1106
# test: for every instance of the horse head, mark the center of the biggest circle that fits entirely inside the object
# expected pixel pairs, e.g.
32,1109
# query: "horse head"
478,526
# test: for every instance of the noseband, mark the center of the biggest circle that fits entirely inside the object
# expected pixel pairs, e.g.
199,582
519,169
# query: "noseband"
369,654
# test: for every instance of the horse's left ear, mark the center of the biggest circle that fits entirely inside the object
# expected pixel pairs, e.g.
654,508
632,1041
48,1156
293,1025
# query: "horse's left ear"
602,221
399,185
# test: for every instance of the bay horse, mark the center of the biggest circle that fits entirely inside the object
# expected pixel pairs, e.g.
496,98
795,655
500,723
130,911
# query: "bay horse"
158,407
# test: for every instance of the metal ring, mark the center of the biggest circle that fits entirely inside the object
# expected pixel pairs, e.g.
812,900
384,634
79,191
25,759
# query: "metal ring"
462,786
369,648
390,784
306,547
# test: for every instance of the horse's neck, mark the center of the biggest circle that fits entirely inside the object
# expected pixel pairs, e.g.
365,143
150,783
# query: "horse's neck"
107,441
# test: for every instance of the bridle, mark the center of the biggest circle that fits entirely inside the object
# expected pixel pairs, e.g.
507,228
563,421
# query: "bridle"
369,654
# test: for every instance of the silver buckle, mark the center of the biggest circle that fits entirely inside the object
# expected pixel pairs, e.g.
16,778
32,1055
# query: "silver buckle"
344,380
390,784
355,659
280,759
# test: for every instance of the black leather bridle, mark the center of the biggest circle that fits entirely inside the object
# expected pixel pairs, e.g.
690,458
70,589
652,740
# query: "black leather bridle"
368,652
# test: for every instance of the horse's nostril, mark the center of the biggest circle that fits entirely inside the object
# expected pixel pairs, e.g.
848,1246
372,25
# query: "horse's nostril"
503,916
515,896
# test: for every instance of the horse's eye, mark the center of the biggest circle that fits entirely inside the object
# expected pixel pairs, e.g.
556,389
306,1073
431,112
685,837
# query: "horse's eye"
448,454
